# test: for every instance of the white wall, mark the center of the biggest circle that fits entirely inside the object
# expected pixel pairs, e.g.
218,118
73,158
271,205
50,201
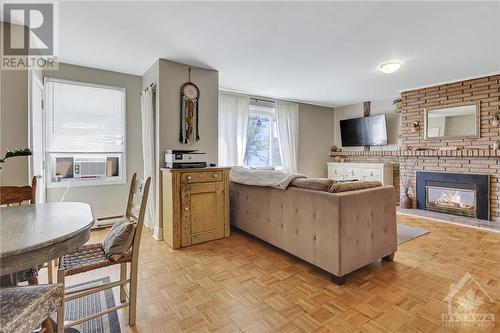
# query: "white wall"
316,136
383,106
107,200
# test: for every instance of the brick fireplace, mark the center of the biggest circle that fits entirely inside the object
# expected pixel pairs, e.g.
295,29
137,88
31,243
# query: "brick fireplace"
475,158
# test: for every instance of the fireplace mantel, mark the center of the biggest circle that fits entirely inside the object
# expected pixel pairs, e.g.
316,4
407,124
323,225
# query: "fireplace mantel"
431,153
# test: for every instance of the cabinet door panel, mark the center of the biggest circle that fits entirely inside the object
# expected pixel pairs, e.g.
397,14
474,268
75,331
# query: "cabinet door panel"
207,216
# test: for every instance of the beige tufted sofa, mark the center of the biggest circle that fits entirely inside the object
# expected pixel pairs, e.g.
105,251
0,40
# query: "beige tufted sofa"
338,232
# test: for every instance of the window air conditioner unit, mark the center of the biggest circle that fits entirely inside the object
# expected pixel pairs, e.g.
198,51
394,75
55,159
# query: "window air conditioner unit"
89,167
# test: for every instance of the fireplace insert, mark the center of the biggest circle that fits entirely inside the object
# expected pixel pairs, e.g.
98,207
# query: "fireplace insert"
452,193
451,200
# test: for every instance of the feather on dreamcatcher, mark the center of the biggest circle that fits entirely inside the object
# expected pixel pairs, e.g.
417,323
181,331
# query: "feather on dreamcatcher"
190,95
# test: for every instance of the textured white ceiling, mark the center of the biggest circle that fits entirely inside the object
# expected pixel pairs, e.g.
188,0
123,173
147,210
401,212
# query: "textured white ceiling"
324,52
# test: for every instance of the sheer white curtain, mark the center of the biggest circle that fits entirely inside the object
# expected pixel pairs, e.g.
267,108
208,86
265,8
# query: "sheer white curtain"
233,126
148,152
287,119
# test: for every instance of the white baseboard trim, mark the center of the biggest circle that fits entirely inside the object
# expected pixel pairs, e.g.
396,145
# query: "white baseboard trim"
158,233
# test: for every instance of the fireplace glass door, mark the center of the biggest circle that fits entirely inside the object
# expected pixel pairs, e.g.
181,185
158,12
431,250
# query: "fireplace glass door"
451,200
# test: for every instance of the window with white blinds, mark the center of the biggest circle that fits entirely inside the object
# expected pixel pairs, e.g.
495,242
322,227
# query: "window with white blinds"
84,132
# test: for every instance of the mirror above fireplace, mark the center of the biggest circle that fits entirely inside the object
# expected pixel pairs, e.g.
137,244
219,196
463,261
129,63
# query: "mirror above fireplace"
456,121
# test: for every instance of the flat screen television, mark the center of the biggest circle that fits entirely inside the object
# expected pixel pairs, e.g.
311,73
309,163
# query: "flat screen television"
364,131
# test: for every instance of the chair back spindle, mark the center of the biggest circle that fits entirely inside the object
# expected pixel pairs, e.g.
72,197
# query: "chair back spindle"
136,208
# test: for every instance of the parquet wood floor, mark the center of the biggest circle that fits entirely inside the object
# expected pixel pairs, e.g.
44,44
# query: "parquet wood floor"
241,284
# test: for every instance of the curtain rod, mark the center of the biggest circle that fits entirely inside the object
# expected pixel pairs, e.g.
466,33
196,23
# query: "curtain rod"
262,100
151,86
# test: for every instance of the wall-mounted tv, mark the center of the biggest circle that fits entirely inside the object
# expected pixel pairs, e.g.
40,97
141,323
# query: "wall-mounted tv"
364,131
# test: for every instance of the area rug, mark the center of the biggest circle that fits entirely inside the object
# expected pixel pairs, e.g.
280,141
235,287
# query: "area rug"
88,305
407,233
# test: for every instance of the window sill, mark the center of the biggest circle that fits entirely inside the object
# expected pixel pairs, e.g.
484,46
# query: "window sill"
85,182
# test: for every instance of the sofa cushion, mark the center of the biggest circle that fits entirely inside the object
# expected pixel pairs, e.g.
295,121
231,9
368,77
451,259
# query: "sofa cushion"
318,184
352,186
119,239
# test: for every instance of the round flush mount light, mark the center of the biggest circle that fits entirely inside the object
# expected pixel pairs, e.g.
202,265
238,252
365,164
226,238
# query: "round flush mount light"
390,67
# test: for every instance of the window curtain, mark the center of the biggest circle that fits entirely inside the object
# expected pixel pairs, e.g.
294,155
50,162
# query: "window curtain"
233,126
148,152
287,119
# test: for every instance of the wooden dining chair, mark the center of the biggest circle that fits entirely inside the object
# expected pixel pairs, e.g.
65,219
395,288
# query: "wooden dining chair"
18,194
92,256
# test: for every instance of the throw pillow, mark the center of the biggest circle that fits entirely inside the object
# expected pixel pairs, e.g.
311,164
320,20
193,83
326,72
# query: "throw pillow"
117,242
352,186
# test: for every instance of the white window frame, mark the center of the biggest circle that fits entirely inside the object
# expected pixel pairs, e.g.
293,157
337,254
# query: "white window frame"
76,182
271,112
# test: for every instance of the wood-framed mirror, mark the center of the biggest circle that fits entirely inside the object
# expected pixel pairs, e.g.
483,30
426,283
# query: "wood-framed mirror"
453,121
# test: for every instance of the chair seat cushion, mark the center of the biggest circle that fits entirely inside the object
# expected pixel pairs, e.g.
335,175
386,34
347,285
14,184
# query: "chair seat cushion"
87,258
119,239
24,308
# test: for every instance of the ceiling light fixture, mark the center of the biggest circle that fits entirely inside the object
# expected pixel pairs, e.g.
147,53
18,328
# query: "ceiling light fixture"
390,67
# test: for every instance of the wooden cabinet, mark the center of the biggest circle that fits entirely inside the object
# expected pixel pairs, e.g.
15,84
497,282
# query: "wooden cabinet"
195,205
381,172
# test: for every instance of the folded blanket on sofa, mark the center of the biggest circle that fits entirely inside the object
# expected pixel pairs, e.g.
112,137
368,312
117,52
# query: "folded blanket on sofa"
270,178
317,184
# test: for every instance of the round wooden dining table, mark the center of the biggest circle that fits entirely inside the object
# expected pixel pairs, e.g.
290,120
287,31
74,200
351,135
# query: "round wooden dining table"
31,235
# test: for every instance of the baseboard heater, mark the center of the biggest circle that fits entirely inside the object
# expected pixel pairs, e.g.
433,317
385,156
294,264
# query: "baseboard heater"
105,222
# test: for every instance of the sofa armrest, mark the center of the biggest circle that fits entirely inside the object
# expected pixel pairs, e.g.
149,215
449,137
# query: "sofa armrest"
367,227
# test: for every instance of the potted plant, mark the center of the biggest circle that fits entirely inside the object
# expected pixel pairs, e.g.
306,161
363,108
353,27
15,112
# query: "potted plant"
15,153
396,102
406,172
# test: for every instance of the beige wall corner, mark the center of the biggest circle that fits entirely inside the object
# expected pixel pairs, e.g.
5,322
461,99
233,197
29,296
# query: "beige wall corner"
14,124
316,135
171,76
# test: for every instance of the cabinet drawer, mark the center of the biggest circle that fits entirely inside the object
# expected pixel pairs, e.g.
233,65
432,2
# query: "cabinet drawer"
352,173
371,174
201,177
335,173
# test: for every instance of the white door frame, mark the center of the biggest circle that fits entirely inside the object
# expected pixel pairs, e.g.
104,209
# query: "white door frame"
34,82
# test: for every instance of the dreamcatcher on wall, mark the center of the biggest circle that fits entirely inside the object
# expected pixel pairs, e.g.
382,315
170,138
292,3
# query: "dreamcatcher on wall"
190,95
